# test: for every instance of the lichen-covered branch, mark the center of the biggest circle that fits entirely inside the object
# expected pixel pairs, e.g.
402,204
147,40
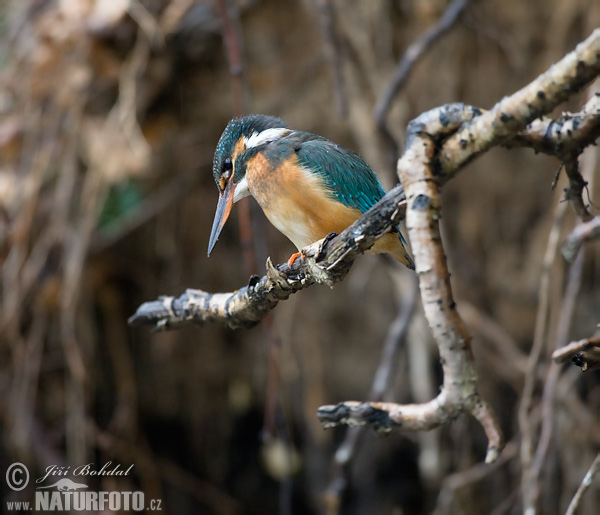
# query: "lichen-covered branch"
513,113
427,163
417,172
564,137
327,262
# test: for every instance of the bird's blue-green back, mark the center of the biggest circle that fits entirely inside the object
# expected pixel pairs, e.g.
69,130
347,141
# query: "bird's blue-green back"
347,176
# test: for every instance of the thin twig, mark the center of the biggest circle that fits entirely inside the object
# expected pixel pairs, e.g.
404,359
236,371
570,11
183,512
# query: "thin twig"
461,479
411,56
585,484
332,49
574,193
524,415
584,353
549,393
233,42
233,46
232,38
345,454
565,317
584,232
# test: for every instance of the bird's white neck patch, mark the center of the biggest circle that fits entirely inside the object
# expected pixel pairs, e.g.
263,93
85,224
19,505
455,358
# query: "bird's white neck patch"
241,190
259,138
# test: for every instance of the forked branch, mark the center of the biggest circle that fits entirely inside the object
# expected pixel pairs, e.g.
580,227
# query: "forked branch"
439,143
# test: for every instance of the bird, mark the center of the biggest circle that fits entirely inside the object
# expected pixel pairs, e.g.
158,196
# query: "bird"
307,186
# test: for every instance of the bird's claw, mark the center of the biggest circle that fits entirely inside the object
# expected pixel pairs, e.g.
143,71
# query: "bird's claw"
295,256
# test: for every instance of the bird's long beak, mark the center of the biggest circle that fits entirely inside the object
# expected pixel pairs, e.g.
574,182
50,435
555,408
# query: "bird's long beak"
223,209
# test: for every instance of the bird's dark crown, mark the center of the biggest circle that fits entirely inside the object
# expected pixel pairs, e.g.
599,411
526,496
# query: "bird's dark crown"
245,126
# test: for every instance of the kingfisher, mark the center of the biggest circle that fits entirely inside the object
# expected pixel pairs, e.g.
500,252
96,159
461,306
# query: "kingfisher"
307,186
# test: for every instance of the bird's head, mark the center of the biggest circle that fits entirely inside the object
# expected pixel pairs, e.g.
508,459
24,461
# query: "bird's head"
242,139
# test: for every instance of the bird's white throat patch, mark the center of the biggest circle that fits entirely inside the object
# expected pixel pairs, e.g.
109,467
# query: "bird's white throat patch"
259,138
241,190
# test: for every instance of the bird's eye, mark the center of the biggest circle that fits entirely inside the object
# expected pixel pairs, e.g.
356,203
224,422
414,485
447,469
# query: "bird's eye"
227,168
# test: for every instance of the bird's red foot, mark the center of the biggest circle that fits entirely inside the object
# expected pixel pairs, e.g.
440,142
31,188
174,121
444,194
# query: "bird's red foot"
295,256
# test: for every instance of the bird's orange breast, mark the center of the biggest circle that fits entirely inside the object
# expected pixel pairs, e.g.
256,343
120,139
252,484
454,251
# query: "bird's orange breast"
297,203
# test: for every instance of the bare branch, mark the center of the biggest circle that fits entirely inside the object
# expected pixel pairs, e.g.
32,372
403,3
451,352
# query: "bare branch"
332,50
585,484
411,56
563,137
574,193
512,114
526,423
584,232
417,172
583,353
459,480
327,261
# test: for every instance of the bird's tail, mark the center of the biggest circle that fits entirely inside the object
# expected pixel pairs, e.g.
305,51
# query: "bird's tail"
391,244
401,254
409,262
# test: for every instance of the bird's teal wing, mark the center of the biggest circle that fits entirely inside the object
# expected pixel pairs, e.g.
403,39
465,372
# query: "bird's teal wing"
346,175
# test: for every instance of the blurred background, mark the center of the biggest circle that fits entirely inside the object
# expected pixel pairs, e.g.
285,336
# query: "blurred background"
110,111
